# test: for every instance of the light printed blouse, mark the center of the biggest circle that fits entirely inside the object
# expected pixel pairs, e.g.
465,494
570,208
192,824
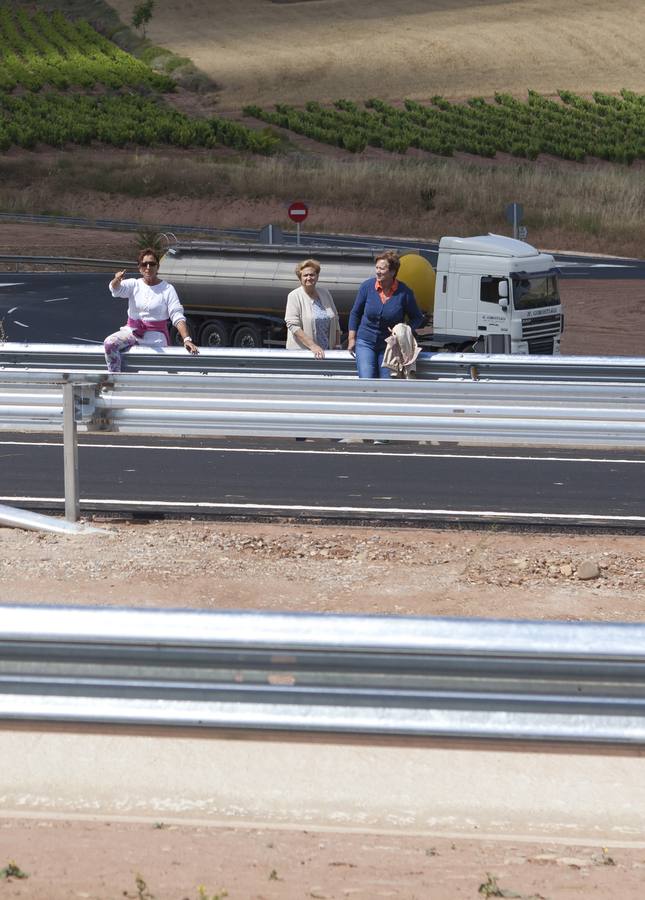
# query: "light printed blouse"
322,323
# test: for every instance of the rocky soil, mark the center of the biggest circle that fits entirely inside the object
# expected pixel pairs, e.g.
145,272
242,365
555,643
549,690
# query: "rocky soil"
325,568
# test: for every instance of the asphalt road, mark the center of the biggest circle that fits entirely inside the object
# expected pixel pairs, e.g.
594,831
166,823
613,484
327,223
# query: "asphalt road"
54,307
320,479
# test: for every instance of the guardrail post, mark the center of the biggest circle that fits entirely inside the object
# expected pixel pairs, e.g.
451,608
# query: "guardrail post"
70,453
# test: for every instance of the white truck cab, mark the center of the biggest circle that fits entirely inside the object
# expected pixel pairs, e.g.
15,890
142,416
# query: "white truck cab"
497,291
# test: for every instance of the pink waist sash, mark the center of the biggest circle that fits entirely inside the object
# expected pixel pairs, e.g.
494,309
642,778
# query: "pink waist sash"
138,327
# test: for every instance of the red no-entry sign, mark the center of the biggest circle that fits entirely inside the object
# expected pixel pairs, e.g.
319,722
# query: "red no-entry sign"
298,211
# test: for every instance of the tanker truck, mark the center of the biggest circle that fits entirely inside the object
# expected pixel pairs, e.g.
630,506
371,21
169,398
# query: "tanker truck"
489,293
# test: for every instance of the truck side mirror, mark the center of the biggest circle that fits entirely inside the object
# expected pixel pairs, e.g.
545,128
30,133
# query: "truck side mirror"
502,290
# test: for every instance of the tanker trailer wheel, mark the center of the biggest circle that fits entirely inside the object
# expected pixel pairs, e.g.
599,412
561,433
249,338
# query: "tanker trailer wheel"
247,337
214,334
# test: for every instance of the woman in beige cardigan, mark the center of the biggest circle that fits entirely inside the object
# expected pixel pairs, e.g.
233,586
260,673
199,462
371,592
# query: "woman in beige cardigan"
311,317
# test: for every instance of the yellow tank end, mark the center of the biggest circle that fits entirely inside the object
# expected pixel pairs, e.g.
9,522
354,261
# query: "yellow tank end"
418,274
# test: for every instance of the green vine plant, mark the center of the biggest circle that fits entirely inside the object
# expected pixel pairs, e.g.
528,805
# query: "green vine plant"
12,870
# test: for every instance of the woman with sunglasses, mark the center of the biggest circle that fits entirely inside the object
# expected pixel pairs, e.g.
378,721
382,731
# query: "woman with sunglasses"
151,302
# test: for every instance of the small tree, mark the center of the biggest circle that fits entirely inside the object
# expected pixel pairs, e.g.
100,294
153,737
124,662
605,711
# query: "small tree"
142,14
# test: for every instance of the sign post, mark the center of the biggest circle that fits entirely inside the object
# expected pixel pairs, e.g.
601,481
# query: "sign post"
514,214
298,212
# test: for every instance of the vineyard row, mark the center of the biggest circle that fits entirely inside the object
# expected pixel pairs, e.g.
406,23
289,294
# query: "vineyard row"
574,128
117,120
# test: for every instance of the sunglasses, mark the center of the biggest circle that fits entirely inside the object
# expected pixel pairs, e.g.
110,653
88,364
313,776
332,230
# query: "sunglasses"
148,265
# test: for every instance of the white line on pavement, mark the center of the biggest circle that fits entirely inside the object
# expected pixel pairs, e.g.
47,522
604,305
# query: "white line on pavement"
331,452
363,510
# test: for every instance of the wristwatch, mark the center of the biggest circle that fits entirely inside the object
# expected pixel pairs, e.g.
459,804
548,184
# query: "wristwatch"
187,339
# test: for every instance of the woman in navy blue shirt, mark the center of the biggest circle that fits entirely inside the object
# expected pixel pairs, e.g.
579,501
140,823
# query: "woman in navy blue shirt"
380,304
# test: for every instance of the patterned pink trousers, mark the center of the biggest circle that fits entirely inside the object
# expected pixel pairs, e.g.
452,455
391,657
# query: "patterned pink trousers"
121,341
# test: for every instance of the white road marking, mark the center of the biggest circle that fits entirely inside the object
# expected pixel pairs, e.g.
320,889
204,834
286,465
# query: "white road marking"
363,510
10,283
13,309
590,265
55,299
400,453
22,324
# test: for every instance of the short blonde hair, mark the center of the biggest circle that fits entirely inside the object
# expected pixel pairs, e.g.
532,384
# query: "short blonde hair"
307,263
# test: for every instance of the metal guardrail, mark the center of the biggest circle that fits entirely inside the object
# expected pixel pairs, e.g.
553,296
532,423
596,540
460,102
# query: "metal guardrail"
469,366
385,675
473,412
65,262
469,411
73,357
115,224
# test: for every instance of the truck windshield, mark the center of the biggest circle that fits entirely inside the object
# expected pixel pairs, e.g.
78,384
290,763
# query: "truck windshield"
535,291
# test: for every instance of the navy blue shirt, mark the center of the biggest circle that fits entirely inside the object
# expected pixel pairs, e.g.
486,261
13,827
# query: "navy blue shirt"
371,319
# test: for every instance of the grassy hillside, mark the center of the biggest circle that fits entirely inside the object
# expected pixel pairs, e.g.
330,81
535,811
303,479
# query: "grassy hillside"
261,51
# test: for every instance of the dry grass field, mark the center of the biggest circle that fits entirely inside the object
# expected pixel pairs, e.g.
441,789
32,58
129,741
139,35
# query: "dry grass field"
268,51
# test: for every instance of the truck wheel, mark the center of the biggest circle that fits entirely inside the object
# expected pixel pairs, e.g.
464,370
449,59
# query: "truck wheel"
214,334
247,337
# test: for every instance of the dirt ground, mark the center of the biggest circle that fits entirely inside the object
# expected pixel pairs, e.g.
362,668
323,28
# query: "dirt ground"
291,51
434,572
328,568
102,861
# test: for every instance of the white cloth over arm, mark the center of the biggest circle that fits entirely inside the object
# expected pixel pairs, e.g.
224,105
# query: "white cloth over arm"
401,351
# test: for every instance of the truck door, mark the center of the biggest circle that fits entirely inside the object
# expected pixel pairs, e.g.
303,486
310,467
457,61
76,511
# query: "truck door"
491,317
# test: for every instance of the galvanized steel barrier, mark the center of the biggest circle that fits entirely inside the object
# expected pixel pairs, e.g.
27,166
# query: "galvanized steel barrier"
385,675
65,262
469,366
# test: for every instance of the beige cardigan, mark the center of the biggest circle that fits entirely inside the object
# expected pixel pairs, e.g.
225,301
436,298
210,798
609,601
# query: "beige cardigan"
299,315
